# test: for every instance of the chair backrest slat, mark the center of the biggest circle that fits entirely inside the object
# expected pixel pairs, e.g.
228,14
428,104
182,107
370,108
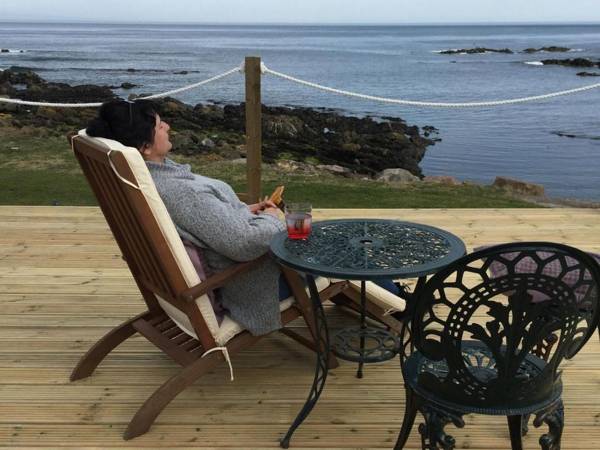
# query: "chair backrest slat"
133,242
144,257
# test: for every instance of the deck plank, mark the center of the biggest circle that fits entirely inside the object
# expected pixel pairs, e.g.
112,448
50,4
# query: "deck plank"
63,284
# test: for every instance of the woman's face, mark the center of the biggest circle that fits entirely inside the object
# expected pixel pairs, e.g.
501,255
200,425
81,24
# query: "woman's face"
157,151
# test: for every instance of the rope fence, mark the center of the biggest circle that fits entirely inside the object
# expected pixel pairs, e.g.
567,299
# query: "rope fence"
512,101
266,70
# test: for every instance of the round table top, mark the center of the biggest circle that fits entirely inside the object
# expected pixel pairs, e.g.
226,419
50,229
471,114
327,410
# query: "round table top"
369,249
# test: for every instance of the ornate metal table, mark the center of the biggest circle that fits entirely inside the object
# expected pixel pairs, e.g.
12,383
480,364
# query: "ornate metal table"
361,249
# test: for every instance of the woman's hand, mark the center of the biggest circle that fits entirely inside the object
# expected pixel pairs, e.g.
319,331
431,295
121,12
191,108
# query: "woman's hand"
273,211
262,206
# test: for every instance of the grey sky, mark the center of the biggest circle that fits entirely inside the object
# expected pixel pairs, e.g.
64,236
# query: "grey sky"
303,11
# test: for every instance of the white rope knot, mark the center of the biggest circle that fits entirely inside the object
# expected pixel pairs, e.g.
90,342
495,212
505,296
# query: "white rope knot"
263,67
225,355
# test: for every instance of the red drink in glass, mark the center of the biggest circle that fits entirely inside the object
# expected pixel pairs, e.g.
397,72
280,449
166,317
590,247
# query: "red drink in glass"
299,225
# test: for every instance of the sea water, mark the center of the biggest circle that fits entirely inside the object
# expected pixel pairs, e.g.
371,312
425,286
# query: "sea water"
553,142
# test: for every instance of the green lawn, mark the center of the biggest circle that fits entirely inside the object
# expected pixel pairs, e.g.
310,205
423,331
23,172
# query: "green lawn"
36,170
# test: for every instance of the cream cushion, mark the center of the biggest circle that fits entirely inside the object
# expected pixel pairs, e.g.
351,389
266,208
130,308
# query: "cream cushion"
229,328
381,297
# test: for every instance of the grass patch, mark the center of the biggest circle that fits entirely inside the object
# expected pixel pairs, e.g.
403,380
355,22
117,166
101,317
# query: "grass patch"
38,169
44,187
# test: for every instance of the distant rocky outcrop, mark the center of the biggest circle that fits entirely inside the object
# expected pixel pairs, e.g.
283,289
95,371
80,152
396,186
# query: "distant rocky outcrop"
341,144
572,62
588,74
550,49
470,51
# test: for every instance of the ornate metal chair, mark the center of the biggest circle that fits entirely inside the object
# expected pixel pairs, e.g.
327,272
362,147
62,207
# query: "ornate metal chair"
493,344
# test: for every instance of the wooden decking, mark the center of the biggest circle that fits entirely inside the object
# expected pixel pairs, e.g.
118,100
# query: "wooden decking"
63,285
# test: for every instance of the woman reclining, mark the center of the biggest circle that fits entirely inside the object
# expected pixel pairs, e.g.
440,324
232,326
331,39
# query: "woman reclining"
208,213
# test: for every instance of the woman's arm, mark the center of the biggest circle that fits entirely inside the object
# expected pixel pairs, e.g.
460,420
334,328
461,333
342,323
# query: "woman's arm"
235,233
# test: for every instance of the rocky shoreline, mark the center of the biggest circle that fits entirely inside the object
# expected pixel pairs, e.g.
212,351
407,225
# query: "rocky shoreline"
362,146
295,139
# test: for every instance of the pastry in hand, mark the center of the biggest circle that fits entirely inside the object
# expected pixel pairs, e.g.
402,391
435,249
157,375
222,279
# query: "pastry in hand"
277,196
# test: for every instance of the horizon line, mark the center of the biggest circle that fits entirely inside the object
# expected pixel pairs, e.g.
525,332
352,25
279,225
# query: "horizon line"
119,22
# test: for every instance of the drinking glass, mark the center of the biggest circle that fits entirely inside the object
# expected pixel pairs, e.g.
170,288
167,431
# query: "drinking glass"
298,219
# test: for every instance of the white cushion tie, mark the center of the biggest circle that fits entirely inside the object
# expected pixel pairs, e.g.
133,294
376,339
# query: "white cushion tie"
225,355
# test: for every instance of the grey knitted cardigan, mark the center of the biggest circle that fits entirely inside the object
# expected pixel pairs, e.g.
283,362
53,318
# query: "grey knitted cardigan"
208,213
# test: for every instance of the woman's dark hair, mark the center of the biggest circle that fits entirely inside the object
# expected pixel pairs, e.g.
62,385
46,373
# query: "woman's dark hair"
130,123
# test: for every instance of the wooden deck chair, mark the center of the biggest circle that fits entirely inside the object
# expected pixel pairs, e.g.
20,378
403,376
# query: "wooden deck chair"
179,319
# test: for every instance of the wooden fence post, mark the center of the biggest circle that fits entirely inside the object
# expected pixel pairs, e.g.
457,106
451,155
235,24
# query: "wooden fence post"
253,127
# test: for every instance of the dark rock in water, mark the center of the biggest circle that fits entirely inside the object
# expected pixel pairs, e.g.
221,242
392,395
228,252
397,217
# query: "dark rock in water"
4,50
127,85
588,74
552,49
575,62
182,72
131,69
428,131
471,51
563,134
576,135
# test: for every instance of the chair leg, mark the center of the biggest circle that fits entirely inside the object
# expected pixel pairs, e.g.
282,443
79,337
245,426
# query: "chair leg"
432,431
525,424
94,356
515,424
152,407
554,417
410,412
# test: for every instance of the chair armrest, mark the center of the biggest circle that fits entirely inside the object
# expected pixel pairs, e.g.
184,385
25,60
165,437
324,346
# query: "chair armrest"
218,280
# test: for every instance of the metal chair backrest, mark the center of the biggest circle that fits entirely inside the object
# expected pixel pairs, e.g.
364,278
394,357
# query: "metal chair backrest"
500,339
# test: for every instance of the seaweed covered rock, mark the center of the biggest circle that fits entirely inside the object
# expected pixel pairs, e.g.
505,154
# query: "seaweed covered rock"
574,62
549,49
472,51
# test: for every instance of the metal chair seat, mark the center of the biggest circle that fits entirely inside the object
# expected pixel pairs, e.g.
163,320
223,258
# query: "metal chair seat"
427,378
